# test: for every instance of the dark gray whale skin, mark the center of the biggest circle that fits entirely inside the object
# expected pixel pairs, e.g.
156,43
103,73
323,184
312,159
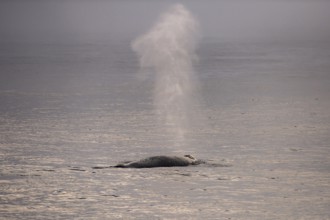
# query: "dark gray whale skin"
161,161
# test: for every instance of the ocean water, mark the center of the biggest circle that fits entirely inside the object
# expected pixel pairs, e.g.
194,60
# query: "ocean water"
65,108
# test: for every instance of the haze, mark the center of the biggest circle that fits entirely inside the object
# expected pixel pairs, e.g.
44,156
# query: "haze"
101,20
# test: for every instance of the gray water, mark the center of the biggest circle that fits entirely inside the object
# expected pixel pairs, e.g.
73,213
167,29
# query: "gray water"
68,107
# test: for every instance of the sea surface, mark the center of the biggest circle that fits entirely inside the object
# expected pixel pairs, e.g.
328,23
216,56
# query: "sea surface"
65,108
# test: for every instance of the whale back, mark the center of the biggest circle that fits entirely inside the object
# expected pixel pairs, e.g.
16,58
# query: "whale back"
161,161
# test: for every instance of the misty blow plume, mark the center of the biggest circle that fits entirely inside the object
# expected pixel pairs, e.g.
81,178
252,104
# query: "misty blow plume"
169,49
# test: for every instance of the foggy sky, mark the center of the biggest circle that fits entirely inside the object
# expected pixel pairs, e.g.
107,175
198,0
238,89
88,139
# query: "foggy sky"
62,20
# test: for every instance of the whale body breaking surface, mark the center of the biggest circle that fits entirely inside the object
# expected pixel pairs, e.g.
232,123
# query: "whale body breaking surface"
161,161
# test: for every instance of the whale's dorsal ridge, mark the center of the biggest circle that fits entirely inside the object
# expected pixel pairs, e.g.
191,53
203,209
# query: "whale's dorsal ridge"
161,161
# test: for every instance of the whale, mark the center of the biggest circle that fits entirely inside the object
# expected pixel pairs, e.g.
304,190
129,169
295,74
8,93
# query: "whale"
161,161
